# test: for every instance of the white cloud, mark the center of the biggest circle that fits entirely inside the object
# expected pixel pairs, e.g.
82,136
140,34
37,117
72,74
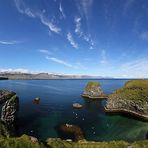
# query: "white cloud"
136,68
144,35
15,70
78,25
24,9
61,10
45,51
49,24
71,40
59,61
9,42
103,57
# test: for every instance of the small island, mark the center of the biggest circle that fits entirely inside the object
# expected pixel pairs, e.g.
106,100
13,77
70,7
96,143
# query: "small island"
131,99
93,91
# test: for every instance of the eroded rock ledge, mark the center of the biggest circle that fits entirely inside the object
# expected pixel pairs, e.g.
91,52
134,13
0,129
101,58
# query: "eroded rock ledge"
132,99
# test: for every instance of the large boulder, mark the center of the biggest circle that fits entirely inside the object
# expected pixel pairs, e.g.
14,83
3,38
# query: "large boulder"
93,90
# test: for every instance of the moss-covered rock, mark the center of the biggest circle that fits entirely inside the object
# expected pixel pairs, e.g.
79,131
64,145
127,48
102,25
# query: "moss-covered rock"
131,98
93,90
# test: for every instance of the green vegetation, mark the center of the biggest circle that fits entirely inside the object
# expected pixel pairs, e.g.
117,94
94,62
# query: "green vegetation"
25,142
20,142
136,90
91,85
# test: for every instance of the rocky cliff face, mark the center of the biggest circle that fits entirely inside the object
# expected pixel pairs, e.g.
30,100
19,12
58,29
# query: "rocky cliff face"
9,112
93,90
133,99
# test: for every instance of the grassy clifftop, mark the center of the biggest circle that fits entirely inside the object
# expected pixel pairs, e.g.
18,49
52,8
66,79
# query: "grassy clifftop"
136,90
91,85
25,142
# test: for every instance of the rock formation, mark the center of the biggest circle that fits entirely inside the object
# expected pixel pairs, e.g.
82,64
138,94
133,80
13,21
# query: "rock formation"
9,111
131,99
93,90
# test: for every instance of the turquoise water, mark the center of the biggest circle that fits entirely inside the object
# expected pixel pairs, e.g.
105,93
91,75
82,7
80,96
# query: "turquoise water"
55,108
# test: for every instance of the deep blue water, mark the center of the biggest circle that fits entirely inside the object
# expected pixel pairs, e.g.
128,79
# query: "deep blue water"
55,108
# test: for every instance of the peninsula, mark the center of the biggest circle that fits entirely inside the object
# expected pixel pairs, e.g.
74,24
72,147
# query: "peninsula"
132,99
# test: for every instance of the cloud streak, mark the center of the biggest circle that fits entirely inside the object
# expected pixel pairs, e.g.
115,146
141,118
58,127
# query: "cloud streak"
59,61
9,42
24,9
71,40
136,68
62,11
45,51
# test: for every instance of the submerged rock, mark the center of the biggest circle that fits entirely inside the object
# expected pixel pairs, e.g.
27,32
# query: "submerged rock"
93,90
73,129
132,98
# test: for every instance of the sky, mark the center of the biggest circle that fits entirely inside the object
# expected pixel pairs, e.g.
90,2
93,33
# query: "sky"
86,37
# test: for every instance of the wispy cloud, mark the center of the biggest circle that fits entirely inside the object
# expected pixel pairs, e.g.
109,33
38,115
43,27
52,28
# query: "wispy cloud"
103,57
84,7
49,24
9,42
144,35
71,40
78,25
59,61
136,68
62,11
45,51
24,9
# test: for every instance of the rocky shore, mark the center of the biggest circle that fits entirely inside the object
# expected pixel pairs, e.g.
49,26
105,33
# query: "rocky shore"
131,99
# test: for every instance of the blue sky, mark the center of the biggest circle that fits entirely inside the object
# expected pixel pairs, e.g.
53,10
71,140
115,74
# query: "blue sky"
94,37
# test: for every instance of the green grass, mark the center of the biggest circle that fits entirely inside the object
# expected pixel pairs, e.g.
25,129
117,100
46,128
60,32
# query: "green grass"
20,142
136,90
25,142
91,85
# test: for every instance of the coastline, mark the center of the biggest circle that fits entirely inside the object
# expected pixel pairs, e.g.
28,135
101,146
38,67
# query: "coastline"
93,98
135,114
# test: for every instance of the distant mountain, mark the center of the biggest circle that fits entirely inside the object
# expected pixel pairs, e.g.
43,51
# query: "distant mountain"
31,76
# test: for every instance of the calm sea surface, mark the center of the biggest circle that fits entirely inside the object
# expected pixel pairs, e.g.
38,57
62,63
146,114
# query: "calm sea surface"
55,108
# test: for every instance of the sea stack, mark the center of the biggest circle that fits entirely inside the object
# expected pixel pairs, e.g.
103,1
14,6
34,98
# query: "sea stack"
93,90
131,99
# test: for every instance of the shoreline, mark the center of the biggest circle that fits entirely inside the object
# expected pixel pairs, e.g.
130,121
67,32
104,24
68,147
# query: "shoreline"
125,111
99,97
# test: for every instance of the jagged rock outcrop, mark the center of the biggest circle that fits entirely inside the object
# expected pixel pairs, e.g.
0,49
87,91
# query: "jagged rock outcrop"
131,99
93,90
9,112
